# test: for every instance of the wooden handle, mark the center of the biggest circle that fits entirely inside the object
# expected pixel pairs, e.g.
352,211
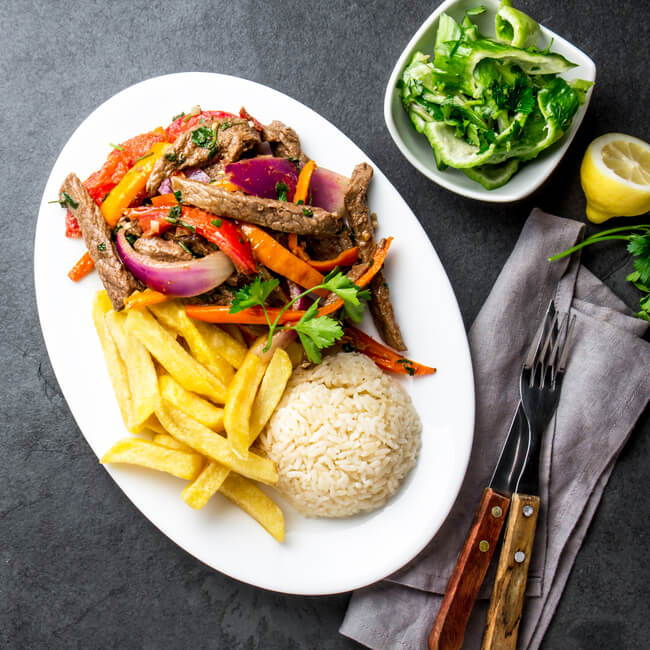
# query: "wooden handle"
449,627
507,600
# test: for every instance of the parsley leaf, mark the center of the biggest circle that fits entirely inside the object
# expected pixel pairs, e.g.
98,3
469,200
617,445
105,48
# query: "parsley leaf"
317,332
65,201
205,137
254,294
353,298
281,190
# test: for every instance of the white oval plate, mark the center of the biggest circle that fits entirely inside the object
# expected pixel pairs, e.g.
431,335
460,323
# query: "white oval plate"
319,556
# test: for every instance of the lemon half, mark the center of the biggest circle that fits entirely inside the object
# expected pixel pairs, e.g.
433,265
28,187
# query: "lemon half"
615,177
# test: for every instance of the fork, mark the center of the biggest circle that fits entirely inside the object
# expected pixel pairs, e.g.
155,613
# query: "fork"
540,386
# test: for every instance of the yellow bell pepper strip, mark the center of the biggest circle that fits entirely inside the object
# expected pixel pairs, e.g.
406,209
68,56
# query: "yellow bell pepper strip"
82,268
256,316
279,259
304,179
132,184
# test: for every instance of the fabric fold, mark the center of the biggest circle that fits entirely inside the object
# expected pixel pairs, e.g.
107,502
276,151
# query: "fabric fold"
605,390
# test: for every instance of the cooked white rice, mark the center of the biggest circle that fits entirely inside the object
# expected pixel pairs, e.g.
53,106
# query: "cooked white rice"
344,437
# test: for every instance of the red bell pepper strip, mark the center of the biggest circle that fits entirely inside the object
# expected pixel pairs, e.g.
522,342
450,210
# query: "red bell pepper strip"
72,228
347,257
245,115
382,355
187,122
224,233
152,220
255,315
82,268
118,162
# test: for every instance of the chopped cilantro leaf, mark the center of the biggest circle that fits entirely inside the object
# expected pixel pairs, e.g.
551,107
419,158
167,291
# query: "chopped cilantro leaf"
216,223
254,294
307,212
281,190
101,247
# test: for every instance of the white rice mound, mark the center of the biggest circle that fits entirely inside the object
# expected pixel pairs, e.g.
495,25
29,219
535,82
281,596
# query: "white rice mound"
344,437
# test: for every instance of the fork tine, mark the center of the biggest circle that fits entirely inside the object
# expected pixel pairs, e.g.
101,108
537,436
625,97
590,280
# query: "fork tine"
564,353
539,337
556,350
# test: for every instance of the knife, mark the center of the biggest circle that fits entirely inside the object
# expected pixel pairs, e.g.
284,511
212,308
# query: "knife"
541,385
448,630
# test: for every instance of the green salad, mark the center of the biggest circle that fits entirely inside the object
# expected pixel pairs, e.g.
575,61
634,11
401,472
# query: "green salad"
487,105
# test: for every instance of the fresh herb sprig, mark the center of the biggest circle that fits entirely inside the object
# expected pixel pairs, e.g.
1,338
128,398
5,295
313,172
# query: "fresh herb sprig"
638,245
315,332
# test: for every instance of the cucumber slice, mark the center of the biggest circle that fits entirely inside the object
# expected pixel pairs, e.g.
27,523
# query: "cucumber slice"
514,27
493,176
454,151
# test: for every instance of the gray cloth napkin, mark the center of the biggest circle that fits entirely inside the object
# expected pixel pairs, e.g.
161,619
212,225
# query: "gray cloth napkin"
605,390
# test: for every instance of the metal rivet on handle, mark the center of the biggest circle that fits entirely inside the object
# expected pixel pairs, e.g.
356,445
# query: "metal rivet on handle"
528,511
520,556
497,512
483,545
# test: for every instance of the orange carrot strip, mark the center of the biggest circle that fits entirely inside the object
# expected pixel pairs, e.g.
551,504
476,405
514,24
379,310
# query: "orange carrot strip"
82,268
304,179
277,258
255,315
382,355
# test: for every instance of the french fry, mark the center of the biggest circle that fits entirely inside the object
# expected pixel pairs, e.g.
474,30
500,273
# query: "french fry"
254,502
136,451
172,314
153,425
116,368
186,370
239,402
143,381
232,349
215,446
270,393
190,403
165,440
197,493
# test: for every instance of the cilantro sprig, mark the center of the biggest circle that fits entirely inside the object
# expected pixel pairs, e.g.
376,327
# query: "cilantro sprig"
638,245
315,332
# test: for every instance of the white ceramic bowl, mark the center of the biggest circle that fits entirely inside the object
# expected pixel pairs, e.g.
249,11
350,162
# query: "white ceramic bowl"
415,146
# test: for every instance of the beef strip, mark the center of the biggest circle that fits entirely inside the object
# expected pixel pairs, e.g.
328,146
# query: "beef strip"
284,141
326,248
164,250
362,224
234,137
119,283
277,215
194,242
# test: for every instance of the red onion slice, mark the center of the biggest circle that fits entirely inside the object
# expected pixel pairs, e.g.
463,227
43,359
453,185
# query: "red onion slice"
182,279
260,176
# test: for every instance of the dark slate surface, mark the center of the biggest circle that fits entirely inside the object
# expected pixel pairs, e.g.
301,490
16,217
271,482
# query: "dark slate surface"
79,566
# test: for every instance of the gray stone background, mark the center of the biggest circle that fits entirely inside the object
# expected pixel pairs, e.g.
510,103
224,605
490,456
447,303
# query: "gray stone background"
79,566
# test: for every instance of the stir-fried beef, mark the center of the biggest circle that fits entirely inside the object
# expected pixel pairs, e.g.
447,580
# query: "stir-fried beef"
227,137
277,215
326,248
164,250
363,228
284,141
199,246
119,283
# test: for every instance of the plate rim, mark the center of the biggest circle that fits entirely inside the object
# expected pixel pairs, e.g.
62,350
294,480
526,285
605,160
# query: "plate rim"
410,551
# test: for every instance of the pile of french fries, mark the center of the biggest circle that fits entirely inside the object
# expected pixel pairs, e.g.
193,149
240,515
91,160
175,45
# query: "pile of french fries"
196,397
